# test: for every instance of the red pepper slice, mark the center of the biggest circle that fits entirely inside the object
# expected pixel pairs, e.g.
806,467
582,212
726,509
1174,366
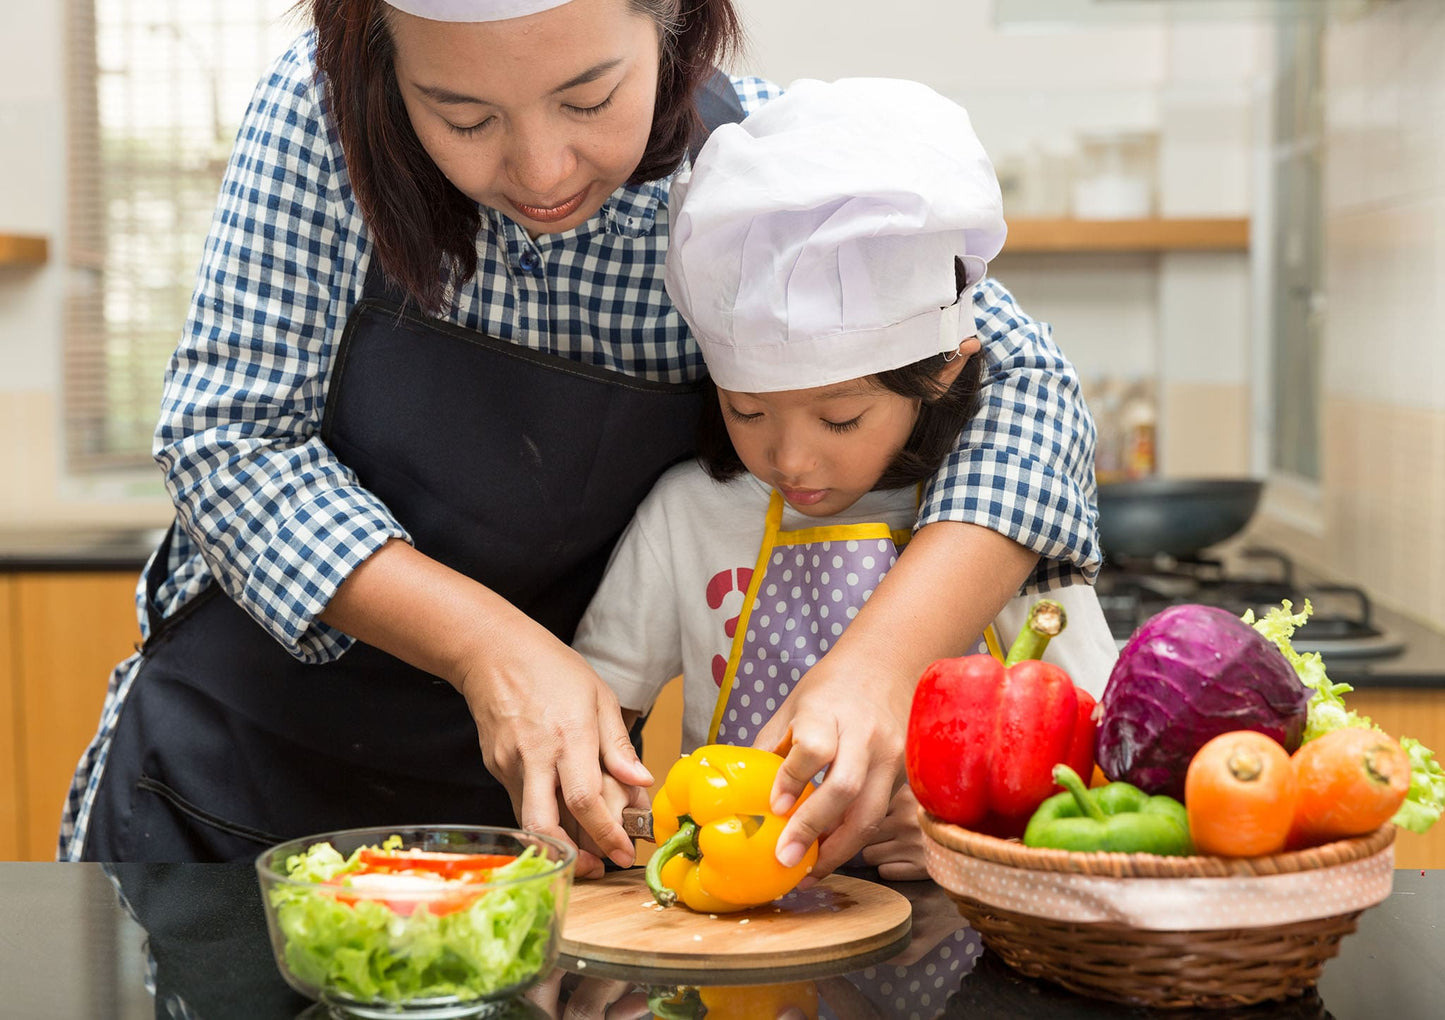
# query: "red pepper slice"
447,865
443,882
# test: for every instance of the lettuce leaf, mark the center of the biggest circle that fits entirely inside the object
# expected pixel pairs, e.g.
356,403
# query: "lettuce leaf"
365,951
1327,711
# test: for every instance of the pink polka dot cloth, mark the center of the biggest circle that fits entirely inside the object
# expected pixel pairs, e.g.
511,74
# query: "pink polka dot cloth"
1168,904
808,595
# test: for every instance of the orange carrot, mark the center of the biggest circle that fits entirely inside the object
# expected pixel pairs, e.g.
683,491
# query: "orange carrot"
1240,794
1351,781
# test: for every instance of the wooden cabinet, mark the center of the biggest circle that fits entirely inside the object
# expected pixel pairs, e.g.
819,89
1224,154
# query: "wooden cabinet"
61,634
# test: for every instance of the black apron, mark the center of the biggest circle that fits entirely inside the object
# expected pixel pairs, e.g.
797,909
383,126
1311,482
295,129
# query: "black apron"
516,468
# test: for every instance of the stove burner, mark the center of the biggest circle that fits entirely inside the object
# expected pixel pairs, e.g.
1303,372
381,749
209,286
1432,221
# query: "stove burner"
1132,590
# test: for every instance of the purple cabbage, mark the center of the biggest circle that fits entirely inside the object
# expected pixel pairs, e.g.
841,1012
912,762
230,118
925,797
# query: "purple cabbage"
1188,674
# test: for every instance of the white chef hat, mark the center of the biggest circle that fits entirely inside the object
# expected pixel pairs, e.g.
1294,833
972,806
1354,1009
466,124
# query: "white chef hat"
814,242
473,10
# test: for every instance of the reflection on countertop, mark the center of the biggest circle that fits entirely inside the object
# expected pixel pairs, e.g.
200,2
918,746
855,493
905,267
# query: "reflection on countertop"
191,940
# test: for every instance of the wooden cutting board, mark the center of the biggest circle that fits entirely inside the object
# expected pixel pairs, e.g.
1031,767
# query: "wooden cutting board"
614,920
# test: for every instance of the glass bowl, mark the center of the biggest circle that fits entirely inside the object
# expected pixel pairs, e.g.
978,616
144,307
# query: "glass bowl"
414,935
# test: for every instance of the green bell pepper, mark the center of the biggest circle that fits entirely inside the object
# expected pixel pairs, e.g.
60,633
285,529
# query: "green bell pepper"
1118,818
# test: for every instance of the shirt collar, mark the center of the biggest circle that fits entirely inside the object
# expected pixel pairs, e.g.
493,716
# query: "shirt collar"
631,210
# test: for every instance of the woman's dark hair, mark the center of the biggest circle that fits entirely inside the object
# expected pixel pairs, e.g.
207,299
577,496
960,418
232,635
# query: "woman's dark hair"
942,416
423,228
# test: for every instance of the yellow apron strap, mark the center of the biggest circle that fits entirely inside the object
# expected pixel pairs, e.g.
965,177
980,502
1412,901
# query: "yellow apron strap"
765,552
990,638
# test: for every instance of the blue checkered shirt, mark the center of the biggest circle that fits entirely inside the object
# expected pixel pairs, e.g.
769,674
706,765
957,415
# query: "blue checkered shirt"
266,511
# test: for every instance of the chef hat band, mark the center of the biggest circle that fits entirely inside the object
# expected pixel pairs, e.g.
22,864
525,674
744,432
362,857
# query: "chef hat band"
473,10
816,241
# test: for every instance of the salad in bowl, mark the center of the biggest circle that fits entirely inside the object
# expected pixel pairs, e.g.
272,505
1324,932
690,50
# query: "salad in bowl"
423,922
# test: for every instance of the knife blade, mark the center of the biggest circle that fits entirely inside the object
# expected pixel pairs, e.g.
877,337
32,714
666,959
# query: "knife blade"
637,822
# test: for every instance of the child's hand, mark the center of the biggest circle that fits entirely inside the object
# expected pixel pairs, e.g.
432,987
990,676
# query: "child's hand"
850,711
852,721
897,849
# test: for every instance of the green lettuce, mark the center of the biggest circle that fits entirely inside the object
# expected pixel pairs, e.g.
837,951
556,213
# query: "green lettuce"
365,951
1327,711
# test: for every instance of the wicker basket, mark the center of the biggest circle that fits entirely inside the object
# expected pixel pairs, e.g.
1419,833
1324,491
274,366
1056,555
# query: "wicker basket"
1166,932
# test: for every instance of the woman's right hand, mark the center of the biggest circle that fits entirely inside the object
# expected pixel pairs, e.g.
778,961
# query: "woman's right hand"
547,724
549,727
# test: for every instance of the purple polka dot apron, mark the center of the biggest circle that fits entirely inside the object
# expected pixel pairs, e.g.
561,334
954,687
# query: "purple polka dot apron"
807,586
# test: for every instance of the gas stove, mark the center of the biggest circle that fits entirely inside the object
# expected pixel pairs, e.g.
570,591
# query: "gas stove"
1341,626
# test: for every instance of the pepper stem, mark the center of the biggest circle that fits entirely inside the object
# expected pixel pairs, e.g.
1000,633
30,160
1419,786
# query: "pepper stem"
1071,781
1047,619
683,841
675,1003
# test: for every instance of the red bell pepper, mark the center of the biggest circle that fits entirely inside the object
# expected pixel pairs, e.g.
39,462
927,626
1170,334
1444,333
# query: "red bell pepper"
984,736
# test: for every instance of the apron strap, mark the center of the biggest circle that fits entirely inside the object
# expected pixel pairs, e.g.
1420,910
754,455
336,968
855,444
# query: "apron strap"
717,104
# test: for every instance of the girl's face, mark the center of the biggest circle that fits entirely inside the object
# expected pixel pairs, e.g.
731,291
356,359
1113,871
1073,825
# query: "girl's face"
824,447
540,117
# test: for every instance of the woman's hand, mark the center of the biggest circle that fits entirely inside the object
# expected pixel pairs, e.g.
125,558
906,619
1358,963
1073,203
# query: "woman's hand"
849,713
549,726
897,849
546,723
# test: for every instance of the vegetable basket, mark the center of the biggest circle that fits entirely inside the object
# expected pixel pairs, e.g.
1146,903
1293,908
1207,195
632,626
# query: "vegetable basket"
1164,932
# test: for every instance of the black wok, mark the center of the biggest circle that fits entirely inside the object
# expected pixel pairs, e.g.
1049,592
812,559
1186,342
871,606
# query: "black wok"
1173,517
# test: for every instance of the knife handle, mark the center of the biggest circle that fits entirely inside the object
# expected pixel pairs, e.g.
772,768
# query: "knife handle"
637,822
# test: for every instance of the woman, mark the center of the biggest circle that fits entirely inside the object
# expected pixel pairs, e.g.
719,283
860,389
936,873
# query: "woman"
429,372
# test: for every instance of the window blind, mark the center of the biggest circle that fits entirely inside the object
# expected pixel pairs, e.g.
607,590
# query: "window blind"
155,92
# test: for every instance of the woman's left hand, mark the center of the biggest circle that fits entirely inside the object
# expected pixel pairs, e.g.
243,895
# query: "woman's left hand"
849,713
897,850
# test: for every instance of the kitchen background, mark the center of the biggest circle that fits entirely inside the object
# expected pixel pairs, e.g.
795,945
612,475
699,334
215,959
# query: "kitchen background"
1232,211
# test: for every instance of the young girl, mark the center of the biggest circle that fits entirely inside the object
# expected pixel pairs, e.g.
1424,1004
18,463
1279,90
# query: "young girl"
824,254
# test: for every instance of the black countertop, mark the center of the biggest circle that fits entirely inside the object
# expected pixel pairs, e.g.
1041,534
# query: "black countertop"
77,549
193,944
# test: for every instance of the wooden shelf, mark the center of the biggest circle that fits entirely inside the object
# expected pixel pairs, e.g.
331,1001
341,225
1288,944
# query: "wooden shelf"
23,250
1027,236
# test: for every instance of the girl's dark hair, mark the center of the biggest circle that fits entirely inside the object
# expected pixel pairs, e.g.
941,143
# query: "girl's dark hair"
423,228
942,416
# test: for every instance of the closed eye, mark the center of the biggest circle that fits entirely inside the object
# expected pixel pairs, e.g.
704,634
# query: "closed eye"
736,415
843,426
471,130
592,111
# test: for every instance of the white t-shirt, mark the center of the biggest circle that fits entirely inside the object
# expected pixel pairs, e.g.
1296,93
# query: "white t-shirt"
676,582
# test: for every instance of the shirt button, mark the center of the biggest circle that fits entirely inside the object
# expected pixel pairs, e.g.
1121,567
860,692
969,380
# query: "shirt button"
530,261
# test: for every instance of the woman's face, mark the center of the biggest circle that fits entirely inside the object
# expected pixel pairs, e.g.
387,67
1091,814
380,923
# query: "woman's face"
540,117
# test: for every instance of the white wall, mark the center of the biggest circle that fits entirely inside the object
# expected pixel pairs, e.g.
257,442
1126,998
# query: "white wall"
1376,514
32,189
34,489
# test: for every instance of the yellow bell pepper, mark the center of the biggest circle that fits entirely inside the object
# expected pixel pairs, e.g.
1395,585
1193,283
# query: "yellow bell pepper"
734,1002
717,838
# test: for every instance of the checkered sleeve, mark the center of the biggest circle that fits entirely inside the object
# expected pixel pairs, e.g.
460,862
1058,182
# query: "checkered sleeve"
279,521
1024,466
753,92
